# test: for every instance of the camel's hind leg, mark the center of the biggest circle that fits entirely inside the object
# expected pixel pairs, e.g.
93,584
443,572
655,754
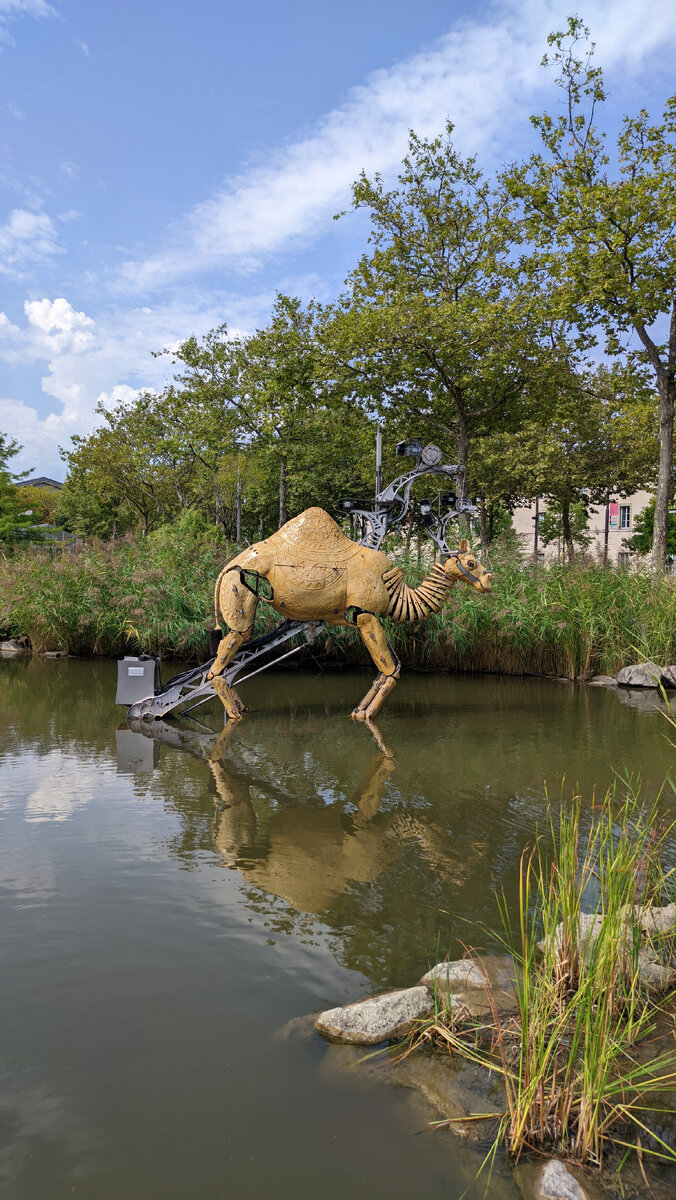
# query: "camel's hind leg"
236,606
373,637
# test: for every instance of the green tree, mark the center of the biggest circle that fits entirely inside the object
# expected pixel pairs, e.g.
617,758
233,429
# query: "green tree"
443,328
592,438
16,524
642,538
606,232
302,441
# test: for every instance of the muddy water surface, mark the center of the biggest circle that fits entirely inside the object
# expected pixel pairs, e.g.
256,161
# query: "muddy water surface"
169,903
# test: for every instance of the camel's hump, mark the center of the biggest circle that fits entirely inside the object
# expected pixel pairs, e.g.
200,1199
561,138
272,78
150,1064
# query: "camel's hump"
315,535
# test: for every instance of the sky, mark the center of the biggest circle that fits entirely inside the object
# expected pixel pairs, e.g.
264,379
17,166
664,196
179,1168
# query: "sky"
167,166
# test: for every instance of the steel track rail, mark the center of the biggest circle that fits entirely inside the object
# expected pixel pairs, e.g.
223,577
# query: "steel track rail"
192,687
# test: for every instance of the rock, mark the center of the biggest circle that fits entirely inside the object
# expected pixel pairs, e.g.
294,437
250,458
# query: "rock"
380,1019
558,1183
13,646
654,920
454,976
655,976
646,675
473,987
603,681
554,1181
590,928
669,677
454,1091
297,1029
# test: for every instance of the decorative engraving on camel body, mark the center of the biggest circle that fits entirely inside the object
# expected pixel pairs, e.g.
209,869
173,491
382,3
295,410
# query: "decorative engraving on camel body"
313,535
415,604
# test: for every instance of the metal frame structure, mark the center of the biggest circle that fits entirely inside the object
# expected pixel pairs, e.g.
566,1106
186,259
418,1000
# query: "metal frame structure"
379,517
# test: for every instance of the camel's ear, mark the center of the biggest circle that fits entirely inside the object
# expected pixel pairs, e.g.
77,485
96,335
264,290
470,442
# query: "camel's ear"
463,545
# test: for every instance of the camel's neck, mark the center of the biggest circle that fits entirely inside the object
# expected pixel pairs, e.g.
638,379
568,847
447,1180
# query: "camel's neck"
415,604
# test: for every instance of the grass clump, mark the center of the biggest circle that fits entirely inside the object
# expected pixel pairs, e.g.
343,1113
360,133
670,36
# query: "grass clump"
581,1063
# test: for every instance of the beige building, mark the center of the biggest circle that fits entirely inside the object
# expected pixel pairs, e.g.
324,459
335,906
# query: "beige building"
614,521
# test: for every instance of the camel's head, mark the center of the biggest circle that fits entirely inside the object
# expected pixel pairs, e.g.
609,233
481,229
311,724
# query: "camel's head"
465,566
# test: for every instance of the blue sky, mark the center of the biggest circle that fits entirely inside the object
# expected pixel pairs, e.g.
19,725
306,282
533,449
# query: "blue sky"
167,166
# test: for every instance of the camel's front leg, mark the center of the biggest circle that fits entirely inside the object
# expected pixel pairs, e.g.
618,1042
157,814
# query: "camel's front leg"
237,606
373,637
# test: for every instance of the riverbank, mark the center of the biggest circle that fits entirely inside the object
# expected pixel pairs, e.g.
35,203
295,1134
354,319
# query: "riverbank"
156,596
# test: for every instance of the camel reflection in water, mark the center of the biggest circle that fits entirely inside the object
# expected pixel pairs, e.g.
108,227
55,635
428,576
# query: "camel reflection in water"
312,855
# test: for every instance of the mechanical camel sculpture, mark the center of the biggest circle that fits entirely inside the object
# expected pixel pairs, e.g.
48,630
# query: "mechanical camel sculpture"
310,571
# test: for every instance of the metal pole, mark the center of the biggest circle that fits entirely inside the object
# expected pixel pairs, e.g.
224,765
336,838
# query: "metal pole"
537,522
238,533
605,535
379,463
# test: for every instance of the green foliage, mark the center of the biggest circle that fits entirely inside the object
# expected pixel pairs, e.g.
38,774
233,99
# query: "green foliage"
551,526
16,525
606,236
442,328
642,538
157,594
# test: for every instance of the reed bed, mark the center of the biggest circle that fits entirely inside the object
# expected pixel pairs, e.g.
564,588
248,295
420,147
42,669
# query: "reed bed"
156,595
580,1063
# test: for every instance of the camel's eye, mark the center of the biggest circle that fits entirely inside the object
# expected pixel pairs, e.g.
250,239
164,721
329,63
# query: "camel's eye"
471,562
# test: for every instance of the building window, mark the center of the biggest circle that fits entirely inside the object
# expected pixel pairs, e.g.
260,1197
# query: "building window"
625,516
623,558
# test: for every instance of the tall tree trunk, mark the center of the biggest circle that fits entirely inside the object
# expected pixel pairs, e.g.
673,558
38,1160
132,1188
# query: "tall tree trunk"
566,530
665,373
665,480
463,455
282,493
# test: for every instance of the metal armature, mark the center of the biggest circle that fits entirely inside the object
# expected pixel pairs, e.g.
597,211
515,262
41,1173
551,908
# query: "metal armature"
392,504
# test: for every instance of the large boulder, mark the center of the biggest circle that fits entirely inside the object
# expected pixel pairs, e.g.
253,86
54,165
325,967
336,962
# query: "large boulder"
382,1018
669,677
640,675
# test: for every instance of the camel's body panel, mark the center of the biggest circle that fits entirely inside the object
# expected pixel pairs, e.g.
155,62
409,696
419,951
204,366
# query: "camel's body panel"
313,572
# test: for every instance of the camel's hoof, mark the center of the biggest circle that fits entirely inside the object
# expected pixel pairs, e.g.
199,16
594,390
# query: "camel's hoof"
358,714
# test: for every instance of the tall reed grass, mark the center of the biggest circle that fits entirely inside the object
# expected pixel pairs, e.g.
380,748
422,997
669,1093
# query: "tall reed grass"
156,595
578,1063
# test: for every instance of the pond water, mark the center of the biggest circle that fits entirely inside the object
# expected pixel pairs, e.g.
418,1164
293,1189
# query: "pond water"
169,903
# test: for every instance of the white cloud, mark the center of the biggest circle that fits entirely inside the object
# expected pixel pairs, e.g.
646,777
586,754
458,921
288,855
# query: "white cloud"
61,327
11,10
7,329
108,360
482,75
26,238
